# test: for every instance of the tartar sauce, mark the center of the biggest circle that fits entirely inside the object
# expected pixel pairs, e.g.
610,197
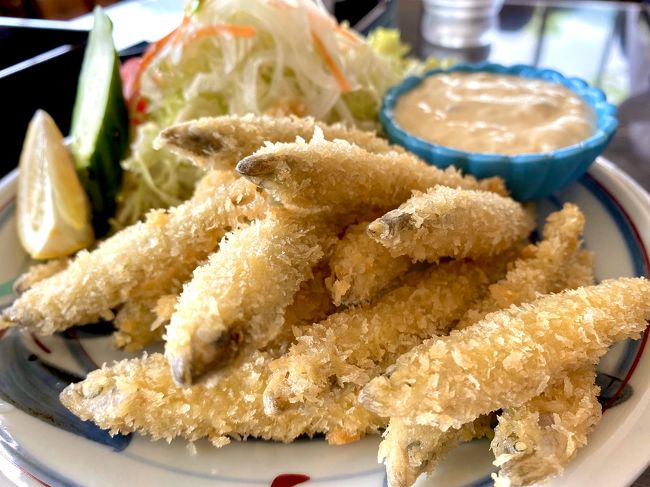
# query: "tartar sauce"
502,114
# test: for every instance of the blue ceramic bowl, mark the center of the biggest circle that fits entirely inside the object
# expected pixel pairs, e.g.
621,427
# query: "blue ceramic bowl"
528,176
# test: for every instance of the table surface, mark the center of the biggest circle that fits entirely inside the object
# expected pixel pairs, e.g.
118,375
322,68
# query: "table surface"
605,43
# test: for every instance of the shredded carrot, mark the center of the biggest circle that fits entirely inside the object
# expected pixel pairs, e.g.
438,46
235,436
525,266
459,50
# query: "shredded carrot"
211,30
340,78
154,49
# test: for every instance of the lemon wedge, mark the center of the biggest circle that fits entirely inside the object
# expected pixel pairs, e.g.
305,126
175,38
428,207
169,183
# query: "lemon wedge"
52,207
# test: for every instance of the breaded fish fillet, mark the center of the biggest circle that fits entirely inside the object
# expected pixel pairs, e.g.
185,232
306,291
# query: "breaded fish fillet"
341,177
511,356
451,222
536,441
140,258
220,142
235,302
355,345
140,395
39,272
409,449
362,268
543,268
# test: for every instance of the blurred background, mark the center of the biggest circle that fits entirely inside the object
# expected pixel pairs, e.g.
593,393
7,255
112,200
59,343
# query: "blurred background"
49,9
352,10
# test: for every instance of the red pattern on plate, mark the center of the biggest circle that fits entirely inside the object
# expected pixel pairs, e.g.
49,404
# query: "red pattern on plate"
289,479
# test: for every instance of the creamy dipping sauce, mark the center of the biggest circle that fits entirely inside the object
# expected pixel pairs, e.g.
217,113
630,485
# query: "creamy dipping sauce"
494,113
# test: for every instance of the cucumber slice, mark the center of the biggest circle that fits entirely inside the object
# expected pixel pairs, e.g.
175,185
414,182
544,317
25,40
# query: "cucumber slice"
100,123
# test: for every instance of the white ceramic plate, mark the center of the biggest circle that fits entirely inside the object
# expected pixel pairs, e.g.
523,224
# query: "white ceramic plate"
42,444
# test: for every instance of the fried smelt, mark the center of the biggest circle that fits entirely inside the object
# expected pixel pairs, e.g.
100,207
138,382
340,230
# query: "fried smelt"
534,442
342,177
451,222
146,255
140,395
38,273
329,354
542,267
220,142
578,272
410,450
362,268
235,302
550,266
510,356
311,304
138,323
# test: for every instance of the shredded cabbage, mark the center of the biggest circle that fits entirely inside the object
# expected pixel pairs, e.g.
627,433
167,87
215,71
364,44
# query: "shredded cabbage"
298,60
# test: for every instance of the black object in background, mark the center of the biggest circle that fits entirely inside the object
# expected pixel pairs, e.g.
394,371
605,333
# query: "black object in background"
365,15
39,68
353,10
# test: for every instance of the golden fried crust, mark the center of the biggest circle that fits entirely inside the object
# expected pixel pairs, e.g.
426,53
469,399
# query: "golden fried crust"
451,222
134,323
510,356
141,395
328,355
410,450
543,268
220,142
362,268
311,304
579,272
139,259
536,441
341,178
235,302
39,272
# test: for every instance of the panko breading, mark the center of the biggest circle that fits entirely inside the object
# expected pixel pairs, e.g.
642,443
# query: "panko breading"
355,345
140,258
409,449
543,268
343,178
450,222
429,442
578,272
311,304
141,395
537,440
362,268
164,309
38,273
134,323
510,356
235,302
220,142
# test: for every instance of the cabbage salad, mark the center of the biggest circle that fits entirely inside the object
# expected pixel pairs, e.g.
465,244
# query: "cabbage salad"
250,56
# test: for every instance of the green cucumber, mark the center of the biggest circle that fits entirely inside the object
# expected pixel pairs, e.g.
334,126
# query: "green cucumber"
100,124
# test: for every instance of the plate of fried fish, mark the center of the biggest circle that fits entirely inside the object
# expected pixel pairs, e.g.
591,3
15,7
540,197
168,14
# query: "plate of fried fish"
284,297
457,321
